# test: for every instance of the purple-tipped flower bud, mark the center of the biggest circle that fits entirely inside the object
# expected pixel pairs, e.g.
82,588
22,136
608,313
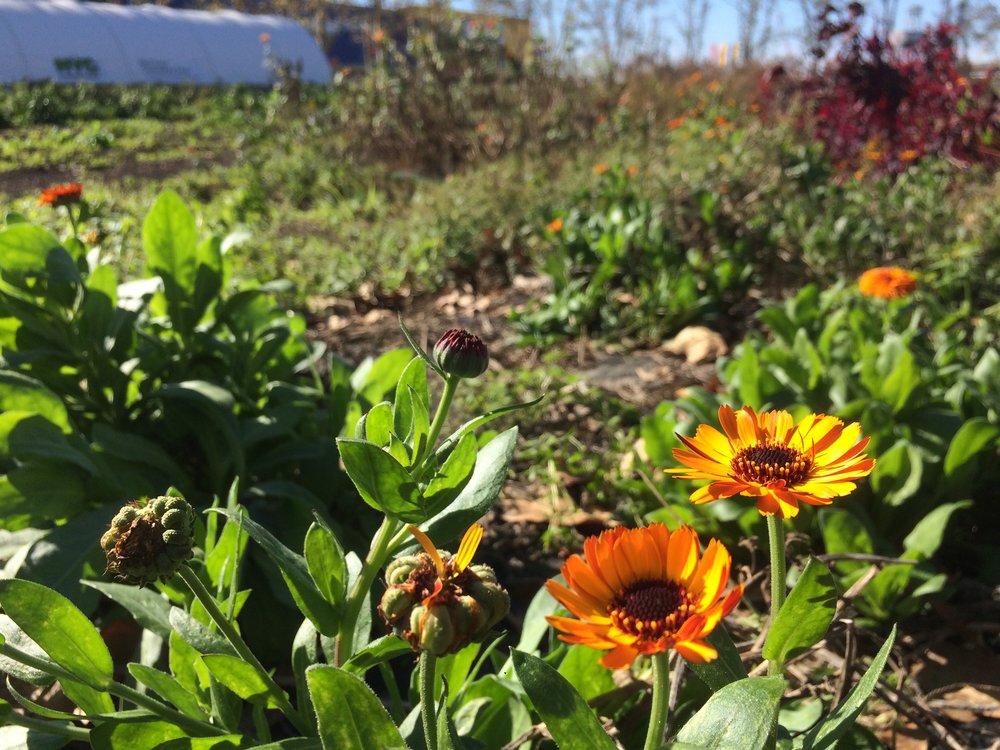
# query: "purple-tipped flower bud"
461,354
149,540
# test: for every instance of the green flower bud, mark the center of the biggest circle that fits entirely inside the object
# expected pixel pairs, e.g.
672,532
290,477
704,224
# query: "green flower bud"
461,354
431,629
395,605
399,569
149,540
495,603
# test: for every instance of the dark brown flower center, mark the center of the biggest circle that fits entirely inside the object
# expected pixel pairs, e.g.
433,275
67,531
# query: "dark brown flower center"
651,609
771,463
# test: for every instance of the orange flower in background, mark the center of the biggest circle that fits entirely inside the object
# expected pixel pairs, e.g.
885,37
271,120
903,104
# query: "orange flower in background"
378,36
769,457
909,154
554,226
265,38
887,282
694,78
714,86
721,120
61,195
633,170
600,168
675,123
644,591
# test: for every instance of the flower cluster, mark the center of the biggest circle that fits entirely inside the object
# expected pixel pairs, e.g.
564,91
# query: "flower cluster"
61,195
438,602
149,540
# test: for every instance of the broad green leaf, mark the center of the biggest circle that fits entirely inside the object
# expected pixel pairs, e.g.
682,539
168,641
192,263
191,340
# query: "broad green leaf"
170,239
26,249
227,552
378,424
447,735
743,714
582,670
844,533
826,735
411,407
806,614
381,480
374,380
36,492
293,743
198,636
59,628
36,437
154,735
20,738
20,393
326,563
972,438
748,373
184,665
90,700
295,572
350,715
10,633
148,608
478,496
726,667
242,679
927,535
535,625
452,477
169,688
570,721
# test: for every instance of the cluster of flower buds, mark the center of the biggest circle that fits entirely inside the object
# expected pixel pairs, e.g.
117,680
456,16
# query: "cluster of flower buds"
438,602
149,540
461,354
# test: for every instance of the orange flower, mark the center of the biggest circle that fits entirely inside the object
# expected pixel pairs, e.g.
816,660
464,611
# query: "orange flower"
633,170
378,36
714,86
643,591
675,123
721,120
769,457
909,154
887,282
600,168
755,107
61,195
694,78
554,226
265,38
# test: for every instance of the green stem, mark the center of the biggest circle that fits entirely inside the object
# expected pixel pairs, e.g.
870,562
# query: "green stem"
661,701
194,726
358,595
50,727
776,542
232,635
427,664
444,406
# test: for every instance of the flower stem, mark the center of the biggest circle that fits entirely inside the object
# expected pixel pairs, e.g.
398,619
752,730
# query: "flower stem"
661,701
427,664
776,542
233,636
57,728
443,407
358,595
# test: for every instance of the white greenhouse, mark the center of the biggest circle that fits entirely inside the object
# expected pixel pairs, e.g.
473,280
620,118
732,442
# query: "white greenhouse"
69,41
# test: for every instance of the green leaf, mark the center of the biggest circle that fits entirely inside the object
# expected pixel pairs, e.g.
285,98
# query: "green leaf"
374,380
20,393
381,480
452,477
447,735
826,735
478,496
378,424
154,735
200,637
324,615
170,239
742,714
227,552
582,669
724,669
10,633
972,438
570,721
20,738
26,249
326,563
748,373
806,614
411,408
380,650
350,715
243,679
59,628
169,688
927,535
844,533
472,424
148,608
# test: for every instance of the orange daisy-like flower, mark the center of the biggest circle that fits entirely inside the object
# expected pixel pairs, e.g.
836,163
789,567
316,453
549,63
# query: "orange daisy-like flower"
887,282
61,195
769,457
644,591
555,226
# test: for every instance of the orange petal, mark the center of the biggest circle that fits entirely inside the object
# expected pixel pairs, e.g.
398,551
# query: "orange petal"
429,548
696,652
619,658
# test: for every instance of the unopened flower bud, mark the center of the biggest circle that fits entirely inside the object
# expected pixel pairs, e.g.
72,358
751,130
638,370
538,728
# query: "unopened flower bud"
149,540
396,602
461,354
399,569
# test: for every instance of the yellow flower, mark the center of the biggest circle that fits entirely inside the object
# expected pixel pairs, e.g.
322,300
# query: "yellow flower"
644,591
769,457
887,282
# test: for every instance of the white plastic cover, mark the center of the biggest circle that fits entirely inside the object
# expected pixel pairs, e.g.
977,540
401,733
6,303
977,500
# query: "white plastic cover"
71,41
